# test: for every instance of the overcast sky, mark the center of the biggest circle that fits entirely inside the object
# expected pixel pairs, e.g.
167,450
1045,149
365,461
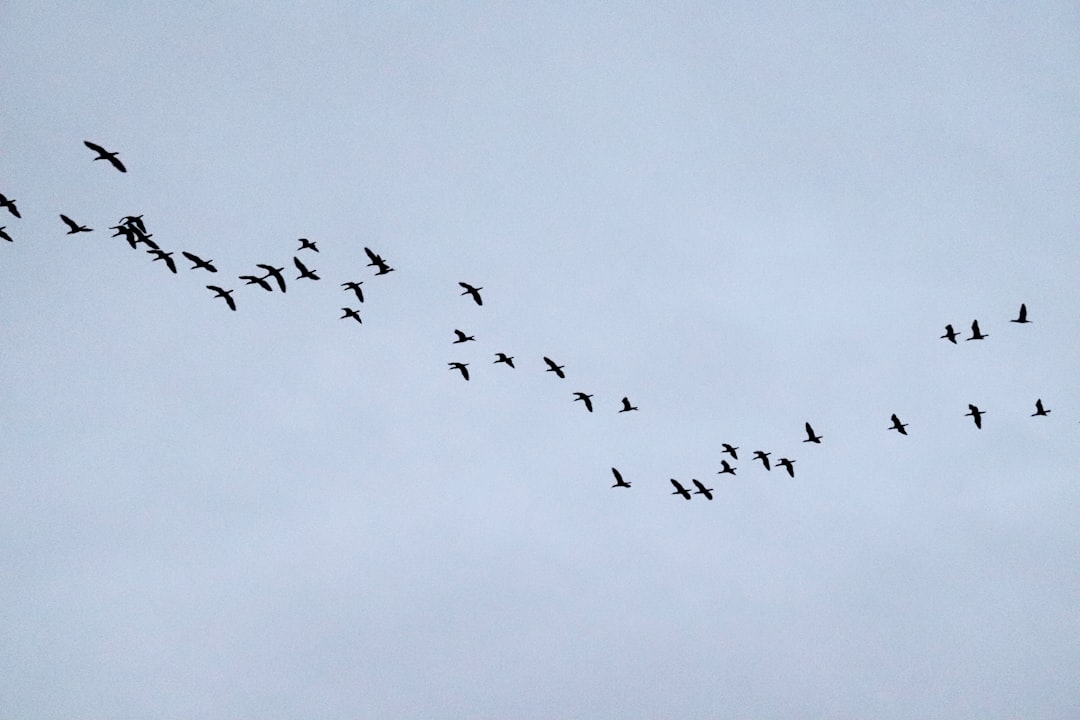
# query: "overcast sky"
743,216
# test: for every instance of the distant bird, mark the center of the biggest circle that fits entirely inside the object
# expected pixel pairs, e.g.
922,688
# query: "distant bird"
221,293
587,399
127,233
304,272
474,291
702,490
730,450
788,464
1039,410
897,425
504,358
763,457
350,313
725,468
141,236
950,334
162,255
619,482
306,244
975,333
377,261
355,287
462,337
552,367
134,221
104,154
10,205
274,272
261,282
976,415
626,406
4,234
679,489
810,436
460,366
199,263
1022,318
74,227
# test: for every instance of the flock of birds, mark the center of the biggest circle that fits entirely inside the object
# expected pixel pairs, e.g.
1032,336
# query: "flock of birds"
133,229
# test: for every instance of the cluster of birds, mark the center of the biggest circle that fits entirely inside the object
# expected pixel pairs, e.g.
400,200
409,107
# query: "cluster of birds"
133,229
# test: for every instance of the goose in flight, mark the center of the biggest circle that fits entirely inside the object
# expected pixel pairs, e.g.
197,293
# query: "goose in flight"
355,287
8,203
4,235
504,358
552,367
350,313
976,415
377,261
897,425
730,451
462,337
133,221
261,282
162,255
702,490
104,154
976,334
787,464
679,489
274,272
306,244
725,468
304,272
763,457
474,291
199,263
626,406
587,399
74,227
1039,410
222,293
810,436
950,334
619,482
1022,318
460,366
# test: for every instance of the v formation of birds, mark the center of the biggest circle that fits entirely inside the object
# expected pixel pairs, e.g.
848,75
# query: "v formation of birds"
132,229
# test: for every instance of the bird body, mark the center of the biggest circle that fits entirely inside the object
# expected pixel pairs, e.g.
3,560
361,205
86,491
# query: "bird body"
460,366
504,358
222,293
587,399
199,263
462,337
1039,410
976,334
679,489
474,291
810,436
104,154
626,406
702,490
552,367
1022,317
74,227
619,482
897,425
975,414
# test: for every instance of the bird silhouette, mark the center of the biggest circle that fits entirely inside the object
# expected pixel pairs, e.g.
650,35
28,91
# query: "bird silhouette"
725,468
304,272
104,154
552,367
134,221
127,233
1039,410
377,261
730,451
355,287
763,457
74,227
460,366
587,399
702,490
626,406
350,313
897,425
222,293
679,489
619,482
504,358
199,263
276,273
162,255
306,244
4,235
788,465
950,334
462,337
8,203
1022,317
261,282
976,334
810,436
474,291
140,237
976,415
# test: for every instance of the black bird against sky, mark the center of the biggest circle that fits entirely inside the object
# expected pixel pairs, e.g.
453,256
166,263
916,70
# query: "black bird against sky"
619,482
104,154
474,291
74,227
584,397
273,272
8,203
198,262
222,293
555,368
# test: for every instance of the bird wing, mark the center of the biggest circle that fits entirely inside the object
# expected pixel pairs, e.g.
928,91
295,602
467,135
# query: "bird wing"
95,147
618,476
700,487
374,257
678,486
588,403
70,223
116,163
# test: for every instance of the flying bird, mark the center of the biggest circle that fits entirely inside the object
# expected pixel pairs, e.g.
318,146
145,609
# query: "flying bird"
763,457
730,450
784,462
897,425
355,287
104,154
474,291
504,358
976,334
304,272
679,489
1022,318
1039,410
10,205
810,436
133,221
725,468
462,337
587,399
261,282
702,490
626,406
306,244
460,366
199,263
552,367
74,227
127,233
162,255
950,334
619,482
350,313
976,415
4,234
377,261
274,272
221,293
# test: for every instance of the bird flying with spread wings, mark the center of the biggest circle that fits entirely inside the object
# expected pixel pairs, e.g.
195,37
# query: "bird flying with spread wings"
474,291
104,154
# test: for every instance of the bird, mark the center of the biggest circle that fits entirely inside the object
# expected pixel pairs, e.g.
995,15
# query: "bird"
462,337
377,261
552,367
1022,317
306,244
679,489
136,236
763,457
304,272
504,358
730,450
74,227
104,154
4,234
474,291
199,262
897,425
10,205
950,334
127,233
134,220
221,293
355,287
587,399
1039,410
354,314
619,482
626,406
162,255
725,468
788,465
976,414
274,272
702,490
976,334
252,280
810,436
460,366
